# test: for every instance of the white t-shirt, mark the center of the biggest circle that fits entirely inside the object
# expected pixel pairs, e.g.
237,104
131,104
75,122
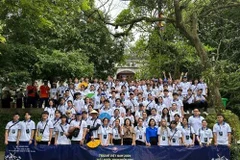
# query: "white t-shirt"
62,138
26,128
51,111
160,107
106,110
115,133
195,122
55,123
61,90
62,108
94,123
186,134
12,128
104,132
149,104
204,134
172,114
53,93
163,133
185,86
121,109
45,133
78,104
175,136
222,133
179,104
112,121
140,133
83,125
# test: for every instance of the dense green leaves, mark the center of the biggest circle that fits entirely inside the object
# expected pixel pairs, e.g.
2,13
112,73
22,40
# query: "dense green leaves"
58,38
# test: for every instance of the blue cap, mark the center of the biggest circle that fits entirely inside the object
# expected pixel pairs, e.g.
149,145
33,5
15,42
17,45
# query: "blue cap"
79,113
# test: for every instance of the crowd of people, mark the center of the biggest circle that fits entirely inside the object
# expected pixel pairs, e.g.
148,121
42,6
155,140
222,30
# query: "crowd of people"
118,112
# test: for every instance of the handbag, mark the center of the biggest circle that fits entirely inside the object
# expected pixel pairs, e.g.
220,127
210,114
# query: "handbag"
76,131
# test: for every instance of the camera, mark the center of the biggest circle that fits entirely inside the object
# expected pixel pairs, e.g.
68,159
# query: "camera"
27,131
187,137
220,133
61,133
105,136
140,136
41,131
174,140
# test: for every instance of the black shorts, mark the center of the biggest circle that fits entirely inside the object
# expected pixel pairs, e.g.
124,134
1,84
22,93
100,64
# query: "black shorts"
117,141
140,143
127,141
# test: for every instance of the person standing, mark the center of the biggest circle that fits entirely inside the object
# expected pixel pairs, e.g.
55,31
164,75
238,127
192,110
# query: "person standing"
94,125
11,130
222,132
31,96
26,130
188,133
204,135
116,134
174,136
104,132
78,128
163,131
151,133
44,130
44,94
61,132
50,109
195,121
140,132
128,133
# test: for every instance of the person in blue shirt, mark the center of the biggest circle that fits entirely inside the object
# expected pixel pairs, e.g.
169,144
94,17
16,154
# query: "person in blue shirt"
151,133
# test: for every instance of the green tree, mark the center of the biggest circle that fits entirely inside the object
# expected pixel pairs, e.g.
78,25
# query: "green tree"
38,30
185,16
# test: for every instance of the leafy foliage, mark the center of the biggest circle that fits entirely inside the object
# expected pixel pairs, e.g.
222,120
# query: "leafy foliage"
59,34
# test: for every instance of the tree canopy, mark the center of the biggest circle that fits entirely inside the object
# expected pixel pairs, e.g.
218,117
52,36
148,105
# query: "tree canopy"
45,39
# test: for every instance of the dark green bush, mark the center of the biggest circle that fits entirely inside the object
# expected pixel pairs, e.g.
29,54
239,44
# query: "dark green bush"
235,152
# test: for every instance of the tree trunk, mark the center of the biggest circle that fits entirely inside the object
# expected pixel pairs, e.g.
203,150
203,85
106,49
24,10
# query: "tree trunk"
213,83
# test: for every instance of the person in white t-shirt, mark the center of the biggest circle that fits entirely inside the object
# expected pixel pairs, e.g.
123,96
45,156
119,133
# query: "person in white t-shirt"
163,131
11,130
104,132
26,130
61,136
94,125
78,103
140,132
50,109
174,135
195,120
44,130
188,133
78,129
222,132
174,111
204,134
62,107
